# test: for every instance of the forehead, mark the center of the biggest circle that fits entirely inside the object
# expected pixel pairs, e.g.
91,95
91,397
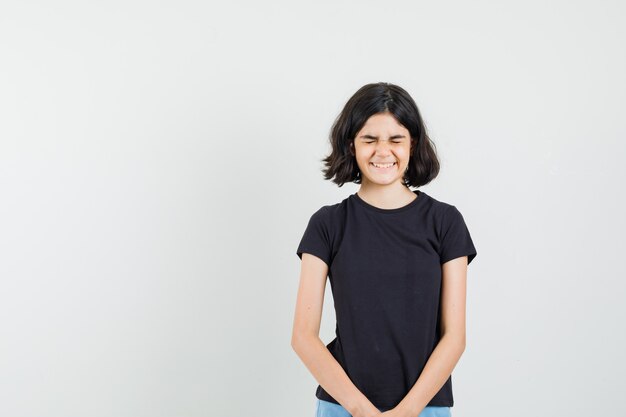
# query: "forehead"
382,121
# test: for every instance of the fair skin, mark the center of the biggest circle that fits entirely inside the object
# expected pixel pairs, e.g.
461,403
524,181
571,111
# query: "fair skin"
382,139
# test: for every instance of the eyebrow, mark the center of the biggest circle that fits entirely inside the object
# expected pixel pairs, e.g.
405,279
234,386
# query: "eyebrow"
376,137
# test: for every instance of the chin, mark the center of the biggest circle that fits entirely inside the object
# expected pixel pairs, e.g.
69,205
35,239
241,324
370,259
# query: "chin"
384,182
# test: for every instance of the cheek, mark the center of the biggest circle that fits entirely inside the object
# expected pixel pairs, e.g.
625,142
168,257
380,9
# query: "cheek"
403,152
363,154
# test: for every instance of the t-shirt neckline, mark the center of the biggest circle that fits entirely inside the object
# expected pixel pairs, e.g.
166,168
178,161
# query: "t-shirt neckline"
415,201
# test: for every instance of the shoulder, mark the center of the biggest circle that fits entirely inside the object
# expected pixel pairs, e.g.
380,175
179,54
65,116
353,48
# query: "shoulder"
440,208
443,213
453,235
322,232
330,213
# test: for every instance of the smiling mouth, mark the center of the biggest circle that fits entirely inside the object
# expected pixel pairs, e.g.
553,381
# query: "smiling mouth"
383,166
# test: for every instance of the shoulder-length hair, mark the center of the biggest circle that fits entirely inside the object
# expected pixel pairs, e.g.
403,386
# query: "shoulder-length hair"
341,166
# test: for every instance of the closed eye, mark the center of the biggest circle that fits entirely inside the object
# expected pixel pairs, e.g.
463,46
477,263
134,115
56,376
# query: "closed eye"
372,138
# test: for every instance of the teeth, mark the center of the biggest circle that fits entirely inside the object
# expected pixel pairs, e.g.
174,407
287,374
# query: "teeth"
383,165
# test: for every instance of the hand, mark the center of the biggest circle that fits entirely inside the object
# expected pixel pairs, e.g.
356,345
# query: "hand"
394,412
375,412
366,410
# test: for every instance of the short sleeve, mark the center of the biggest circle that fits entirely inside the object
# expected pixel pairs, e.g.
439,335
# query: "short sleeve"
455,238
316,238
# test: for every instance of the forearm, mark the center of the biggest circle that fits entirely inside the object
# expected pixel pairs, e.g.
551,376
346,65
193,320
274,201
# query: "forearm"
330,375
436,372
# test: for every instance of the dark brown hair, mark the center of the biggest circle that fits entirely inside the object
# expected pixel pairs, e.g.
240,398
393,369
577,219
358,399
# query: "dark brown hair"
341,166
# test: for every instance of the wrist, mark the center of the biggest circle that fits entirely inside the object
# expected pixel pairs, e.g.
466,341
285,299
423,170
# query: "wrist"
405,410
355,408
361,406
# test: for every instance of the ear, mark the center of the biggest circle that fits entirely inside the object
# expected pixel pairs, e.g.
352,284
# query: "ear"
352,148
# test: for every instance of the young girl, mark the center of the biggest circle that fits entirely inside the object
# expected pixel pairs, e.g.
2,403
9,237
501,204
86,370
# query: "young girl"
397,264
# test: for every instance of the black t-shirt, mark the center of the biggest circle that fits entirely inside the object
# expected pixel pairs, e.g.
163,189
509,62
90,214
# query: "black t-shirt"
385,276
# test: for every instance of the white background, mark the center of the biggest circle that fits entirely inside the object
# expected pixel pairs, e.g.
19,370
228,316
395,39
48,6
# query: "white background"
159,162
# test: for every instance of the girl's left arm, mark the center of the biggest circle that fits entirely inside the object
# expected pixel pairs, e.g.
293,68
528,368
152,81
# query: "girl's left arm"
448,351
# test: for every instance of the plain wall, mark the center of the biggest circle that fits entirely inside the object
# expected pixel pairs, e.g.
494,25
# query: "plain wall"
159,162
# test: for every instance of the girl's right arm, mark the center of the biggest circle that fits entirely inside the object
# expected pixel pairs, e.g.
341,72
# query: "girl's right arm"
306,342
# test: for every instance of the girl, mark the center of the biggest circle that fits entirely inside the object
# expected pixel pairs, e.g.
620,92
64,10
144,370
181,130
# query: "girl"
397,264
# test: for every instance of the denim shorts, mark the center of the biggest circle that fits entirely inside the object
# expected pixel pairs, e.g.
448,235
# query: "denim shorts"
330,409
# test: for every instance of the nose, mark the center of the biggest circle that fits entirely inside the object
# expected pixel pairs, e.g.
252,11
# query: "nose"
382,147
